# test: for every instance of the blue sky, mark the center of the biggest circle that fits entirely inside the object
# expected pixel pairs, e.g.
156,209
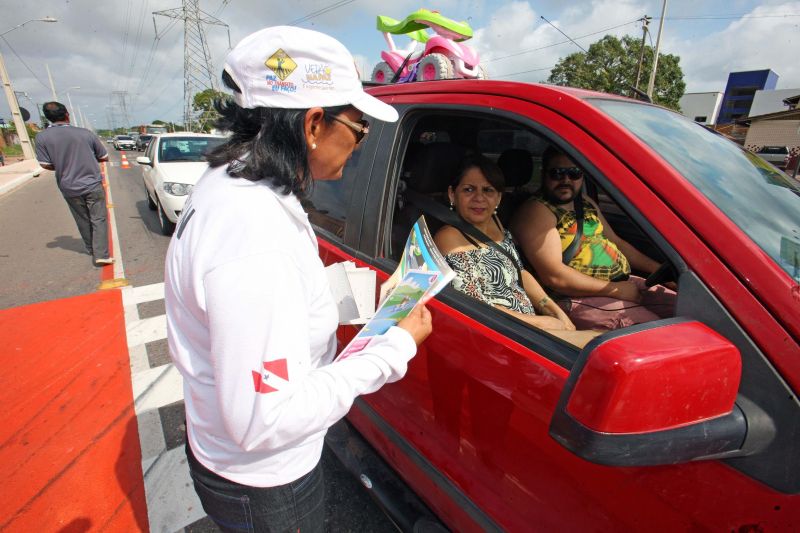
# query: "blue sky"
104,47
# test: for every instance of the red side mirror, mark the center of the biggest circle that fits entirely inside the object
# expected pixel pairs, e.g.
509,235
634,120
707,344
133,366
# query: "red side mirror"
656,380
658,393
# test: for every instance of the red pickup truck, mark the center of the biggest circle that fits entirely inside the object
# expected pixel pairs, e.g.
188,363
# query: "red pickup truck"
683,424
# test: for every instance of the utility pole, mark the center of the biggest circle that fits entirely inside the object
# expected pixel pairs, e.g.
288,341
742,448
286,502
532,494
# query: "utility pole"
652,83
645,23
198,71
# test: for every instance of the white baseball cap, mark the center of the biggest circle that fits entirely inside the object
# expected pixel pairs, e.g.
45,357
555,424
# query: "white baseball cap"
295,68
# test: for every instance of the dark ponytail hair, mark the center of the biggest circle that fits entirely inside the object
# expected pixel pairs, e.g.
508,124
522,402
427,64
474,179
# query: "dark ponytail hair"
266,143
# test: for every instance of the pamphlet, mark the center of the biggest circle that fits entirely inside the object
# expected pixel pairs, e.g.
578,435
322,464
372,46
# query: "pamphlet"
421,274
420,253
406,295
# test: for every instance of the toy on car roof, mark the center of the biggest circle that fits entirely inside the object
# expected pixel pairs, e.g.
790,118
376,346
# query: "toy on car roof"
444,56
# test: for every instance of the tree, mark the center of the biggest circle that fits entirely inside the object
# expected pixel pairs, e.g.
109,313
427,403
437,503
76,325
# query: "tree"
610,66
204,102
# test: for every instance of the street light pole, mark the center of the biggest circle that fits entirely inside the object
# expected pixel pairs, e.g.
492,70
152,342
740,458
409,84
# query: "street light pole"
19,124
72,114
652,83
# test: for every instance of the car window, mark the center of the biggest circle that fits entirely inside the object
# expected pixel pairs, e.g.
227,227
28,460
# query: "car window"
763,202
436,146
151,148
330,199
186,149
774,150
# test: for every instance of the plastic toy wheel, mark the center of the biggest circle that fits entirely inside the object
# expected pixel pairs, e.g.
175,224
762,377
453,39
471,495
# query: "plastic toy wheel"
434,67
382,73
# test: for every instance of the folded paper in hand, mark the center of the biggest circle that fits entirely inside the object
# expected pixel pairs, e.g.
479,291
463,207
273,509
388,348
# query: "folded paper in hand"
353,291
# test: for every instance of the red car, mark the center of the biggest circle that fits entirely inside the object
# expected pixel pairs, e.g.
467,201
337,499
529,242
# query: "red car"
688,423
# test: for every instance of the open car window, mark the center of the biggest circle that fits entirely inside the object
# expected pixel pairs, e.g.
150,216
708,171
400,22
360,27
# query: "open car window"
434,151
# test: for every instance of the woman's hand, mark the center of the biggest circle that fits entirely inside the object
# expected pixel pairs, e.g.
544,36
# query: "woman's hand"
418,323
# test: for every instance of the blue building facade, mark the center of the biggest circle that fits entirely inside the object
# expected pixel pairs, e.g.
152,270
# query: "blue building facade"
741,89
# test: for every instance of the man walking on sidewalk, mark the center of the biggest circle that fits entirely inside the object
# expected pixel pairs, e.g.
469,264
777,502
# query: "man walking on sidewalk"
74,153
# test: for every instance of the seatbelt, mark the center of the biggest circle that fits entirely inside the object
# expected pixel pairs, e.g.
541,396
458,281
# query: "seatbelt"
572,249
441,213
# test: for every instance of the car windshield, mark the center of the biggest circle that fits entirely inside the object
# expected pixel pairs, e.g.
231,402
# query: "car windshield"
762,201
186,149
124,138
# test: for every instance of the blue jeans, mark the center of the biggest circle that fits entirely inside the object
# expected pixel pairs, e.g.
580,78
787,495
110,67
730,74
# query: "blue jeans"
297,506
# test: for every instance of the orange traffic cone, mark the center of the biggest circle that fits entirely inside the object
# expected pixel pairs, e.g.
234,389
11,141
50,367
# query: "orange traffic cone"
125,163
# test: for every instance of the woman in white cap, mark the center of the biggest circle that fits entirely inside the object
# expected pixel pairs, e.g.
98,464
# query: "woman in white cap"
251,320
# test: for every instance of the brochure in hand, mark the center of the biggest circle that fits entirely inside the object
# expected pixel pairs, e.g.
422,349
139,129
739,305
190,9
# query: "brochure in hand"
421,274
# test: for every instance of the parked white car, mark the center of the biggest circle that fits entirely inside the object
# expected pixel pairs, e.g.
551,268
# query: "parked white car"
171,165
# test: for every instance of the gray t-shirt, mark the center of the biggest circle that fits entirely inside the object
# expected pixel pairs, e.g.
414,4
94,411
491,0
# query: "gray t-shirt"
74,153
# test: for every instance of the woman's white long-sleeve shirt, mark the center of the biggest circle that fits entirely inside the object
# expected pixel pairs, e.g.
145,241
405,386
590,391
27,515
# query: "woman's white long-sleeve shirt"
251,326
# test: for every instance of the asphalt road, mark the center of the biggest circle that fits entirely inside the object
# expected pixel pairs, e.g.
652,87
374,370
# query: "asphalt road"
42,259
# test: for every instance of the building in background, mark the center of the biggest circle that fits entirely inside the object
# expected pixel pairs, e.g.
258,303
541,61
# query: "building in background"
741,90
765,102
778,129
703,108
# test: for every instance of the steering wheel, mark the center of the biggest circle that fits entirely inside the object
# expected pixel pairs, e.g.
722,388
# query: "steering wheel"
664,273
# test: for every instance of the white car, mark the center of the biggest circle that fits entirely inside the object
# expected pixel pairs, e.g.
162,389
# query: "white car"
124,142
171,165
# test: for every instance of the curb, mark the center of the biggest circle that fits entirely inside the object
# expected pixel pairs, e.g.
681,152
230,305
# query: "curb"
18,182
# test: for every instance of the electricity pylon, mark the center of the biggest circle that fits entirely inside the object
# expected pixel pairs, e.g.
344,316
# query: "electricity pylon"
198,71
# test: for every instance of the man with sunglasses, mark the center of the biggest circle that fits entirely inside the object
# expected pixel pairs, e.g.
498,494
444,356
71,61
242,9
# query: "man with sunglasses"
592,278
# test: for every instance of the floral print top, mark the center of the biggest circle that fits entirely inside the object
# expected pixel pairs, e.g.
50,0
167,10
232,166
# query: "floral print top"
488,275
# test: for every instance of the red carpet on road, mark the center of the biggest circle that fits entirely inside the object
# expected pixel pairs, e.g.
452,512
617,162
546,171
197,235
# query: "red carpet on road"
70,459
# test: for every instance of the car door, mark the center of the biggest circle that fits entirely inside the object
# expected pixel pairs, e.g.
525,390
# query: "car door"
469,426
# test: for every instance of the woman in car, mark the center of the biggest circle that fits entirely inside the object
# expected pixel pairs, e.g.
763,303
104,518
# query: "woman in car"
250,316
491,272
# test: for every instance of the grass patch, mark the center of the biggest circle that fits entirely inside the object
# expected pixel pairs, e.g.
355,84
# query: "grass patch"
12,150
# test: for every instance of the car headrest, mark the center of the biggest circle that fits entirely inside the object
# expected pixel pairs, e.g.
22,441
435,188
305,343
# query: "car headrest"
433,167
171,153
517,166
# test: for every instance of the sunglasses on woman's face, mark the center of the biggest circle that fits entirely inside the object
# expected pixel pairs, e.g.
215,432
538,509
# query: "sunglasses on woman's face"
360,128
558,173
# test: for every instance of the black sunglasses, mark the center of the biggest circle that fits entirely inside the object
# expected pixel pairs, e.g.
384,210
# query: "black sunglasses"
360,128
558,173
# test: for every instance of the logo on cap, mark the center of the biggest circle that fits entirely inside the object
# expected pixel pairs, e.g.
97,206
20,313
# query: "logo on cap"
281,64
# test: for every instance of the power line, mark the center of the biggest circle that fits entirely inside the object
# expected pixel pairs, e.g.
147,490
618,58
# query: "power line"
319,12
561,42
728,17
523,72
24,63
564,34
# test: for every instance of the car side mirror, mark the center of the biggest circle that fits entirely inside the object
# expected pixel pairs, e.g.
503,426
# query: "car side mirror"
142,160
658,393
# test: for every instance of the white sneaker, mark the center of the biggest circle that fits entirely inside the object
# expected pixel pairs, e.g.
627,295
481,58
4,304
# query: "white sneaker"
104,261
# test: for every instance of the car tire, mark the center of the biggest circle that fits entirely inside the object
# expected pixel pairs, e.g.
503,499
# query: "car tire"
434,67
150,203
167,226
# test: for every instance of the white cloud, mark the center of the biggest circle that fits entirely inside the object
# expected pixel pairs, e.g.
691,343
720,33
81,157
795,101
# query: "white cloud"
104,46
